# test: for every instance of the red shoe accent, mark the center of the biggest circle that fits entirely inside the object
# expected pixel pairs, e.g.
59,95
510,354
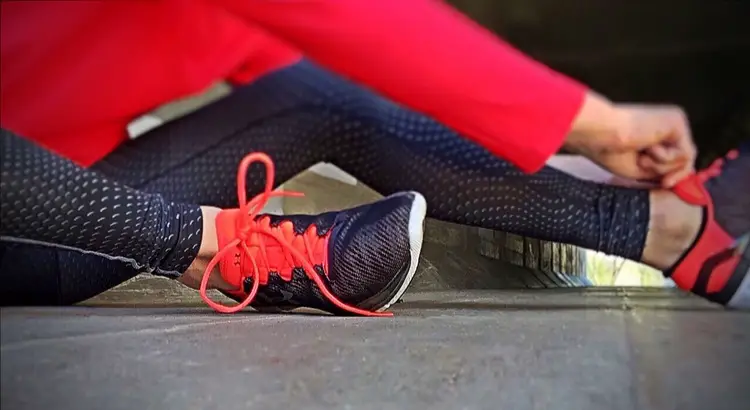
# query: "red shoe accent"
251,248
708,265
270,255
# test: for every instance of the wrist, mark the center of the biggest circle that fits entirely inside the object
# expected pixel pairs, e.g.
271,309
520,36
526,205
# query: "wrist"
598,123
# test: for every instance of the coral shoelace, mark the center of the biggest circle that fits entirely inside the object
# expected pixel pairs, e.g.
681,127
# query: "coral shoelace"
692,189
249,226
714,170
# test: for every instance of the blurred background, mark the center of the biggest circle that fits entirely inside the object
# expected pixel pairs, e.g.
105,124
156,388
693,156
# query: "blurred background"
695,53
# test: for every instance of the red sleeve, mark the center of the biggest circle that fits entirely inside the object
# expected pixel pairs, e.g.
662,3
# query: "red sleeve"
429,57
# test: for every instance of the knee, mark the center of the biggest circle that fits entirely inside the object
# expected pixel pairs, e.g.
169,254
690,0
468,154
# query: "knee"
380,117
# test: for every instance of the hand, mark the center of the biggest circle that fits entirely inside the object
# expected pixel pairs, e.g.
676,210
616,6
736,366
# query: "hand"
641,142
664,134
583,168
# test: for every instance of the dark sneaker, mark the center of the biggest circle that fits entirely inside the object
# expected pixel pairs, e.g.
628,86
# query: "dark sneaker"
716,266
730,191
357,261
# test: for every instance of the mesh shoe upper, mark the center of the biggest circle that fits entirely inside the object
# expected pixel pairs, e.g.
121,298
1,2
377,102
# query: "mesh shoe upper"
730,192
357,261
370,247
368,253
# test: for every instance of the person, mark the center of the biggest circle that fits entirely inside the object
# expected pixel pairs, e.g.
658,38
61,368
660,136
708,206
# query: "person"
84,207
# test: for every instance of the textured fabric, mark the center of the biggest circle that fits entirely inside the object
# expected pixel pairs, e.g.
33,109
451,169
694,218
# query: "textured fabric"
67,234
429,57
368,256
49,200
303,115
73,74
370,247
421,53
40,275
731,193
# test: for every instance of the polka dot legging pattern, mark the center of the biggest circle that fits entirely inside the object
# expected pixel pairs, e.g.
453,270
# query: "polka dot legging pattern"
303,115
65,231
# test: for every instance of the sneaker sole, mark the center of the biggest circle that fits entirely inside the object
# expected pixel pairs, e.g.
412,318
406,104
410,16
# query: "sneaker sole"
416,236
741,297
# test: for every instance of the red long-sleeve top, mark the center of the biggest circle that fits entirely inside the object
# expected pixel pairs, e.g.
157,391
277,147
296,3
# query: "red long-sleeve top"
73,74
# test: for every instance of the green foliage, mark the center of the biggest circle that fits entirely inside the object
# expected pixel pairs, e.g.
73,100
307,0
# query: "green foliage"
606,270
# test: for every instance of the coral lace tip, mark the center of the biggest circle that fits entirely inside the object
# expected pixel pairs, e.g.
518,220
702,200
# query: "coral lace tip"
691,190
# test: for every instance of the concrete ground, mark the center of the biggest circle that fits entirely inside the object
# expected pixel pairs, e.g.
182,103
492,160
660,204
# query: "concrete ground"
577,349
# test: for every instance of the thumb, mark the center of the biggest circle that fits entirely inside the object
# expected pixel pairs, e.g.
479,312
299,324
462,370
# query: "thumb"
663,154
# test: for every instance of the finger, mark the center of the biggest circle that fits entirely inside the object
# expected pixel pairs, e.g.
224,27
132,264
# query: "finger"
645,127
688,152
683,138
644,175
672,179
672,159
646,162
662,153
632,183
660,125
669,174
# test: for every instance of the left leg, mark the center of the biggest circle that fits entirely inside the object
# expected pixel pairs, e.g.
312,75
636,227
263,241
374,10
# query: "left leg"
67,233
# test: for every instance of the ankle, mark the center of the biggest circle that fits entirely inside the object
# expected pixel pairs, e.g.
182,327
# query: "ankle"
674,225
208,249
209,242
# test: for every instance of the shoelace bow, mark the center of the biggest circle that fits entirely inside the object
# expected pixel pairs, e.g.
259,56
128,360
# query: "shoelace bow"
249,226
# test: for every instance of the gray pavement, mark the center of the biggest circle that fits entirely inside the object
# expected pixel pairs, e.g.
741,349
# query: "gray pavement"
558,349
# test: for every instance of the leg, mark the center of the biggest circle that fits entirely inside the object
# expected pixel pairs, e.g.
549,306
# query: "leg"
39,275
67,234
303,115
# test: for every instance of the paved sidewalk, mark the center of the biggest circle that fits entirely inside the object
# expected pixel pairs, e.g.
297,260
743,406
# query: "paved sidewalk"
598,349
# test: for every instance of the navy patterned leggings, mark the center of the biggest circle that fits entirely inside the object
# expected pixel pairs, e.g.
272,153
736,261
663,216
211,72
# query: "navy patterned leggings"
303,115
